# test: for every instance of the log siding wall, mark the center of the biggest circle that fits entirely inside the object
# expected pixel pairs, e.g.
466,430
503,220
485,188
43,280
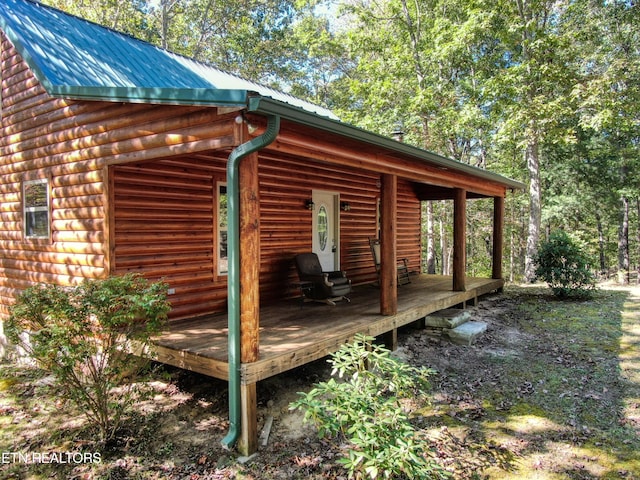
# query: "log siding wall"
31,147
165,228
165,225
72,144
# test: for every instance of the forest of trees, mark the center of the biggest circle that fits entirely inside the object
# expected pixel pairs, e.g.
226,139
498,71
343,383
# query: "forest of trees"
543,91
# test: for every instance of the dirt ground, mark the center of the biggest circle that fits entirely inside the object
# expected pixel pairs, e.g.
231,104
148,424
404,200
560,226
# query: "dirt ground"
485,421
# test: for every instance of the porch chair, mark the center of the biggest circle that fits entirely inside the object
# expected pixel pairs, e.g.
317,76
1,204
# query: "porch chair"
327,287
403,264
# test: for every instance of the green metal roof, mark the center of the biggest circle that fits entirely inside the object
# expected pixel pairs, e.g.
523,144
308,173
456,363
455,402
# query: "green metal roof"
72,57
75,58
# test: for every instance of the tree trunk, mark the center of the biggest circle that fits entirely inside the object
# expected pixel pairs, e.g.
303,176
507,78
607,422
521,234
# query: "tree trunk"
533,167
444,247
623,243
164,35
511,257
603,263
638,243
431,249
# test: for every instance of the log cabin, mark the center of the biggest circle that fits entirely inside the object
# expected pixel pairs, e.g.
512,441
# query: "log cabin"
117,156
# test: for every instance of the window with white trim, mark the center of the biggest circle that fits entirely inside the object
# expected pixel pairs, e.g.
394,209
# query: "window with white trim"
36,213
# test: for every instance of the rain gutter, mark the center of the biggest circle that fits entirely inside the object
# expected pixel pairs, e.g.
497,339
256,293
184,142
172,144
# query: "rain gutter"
160,95
233,281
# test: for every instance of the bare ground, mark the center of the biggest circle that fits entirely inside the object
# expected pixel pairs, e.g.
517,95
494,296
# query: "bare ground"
530,399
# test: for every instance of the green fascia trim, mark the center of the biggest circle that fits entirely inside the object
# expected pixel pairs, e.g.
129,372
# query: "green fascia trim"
268,106
172,96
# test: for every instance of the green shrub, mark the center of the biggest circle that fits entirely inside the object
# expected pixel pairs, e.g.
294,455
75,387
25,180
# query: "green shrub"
364,407
83,336
561,263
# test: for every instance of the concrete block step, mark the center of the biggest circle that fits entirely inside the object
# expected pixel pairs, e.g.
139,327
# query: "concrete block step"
448,318
466,333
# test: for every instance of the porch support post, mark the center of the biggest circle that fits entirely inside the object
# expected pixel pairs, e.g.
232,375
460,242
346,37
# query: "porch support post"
388,229
249,296
459,239
498,236
249,259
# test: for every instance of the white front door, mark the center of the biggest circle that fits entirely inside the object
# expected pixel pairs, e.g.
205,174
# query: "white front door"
325,230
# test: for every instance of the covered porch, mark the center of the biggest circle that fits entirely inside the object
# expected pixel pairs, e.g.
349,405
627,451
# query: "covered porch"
293,333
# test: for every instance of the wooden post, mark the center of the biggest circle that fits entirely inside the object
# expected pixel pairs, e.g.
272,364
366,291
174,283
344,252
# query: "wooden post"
249,259
498,236
459,239
388,265
390,340
248,442
249,296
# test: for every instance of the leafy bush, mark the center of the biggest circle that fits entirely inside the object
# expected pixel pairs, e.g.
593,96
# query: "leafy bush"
364,406
561,263
83,336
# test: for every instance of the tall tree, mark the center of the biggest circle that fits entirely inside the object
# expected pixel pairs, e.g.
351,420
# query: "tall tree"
126,16
609,95
464,75
532,91
423,63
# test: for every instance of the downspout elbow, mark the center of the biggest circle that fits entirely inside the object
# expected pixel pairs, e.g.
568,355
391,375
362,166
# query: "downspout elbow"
233,278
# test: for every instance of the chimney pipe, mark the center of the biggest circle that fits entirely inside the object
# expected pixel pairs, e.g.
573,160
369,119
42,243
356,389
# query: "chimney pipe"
398,133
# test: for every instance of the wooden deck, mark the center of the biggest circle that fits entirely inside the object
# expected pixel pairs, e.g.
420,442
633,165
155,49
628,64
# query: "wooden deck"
293,334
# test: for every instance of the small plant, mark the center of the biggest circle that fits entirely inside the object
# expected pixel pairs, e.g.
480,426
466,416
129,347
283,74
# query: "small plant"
561,263
364,407
83,336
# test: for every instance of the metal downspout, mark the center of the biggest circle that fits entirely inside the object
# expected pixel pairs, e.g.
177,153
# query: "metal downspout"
233,279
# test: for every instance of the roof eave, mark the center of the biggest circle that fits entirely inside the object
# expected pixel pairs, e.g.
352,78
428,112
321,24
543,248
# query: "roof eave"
268,106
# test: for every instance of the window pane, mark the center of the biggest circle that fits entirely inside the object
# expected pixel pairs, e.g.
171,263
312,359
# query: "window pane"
222,230
36,209
37,224
322,228
35,195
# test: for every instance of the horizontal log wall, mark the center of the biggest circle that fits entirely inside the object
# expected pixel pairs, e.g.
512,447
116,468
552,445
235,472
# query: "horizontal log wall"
287,182
72,143
409,226
165,228
165,225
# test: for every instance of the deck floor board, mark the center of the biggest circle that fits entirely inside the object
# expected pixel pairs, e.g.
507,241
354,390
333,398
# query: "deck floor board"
292,333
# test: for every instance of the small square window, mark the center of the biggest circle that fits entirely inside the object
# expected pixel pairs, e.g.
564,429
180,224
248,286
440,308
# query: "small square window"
36,208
